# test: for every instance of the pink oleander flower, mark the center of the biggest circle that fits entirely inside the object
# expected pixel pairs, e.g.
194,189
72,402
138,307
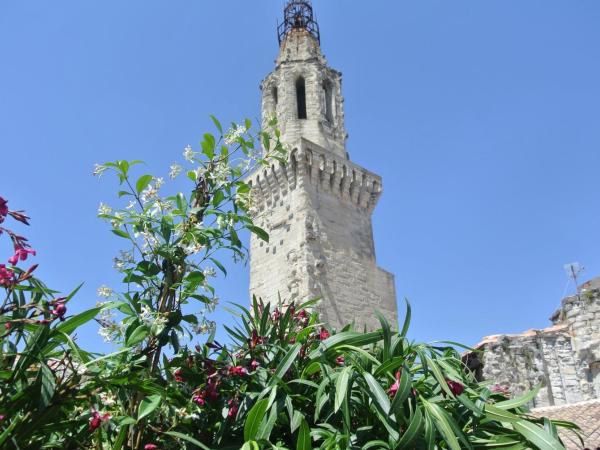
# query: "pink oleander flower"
178,376
254,364
21,254
276,314
394,387
2,417
7,276
7,326
340,360
455,387
233,408
323,334
97,419
199,400
150,447
238,370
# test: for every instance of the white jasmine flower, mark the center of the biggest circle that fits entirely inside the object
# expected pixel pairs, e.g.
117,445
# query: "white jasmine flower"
104,291
233,134
209,272
131,204
149,194
98,170
175,170
158,182
107,399
188,153
104,209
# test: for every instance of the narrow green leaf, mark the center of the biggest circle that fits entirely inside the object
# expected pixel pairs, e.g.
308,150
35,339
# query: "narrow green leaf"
519,401
407,317
304,442
254,418
413,430
377,393
70,325
186,438
537,436
286,362
48,385
440,419
121,233
341,387
345,338
501,415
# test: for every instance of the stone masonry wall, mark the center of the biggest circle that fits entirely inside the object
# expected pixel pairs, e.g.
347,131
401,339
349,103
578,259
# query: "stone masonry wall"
565,357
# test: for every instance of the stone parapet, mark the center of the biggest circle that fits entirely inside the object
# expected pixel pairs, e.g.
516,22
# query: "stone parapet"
327,172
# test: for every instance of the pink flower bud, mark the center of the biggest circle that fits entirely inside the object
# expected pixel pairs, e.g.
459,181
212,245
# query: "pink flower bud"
150,447
59,310
324,334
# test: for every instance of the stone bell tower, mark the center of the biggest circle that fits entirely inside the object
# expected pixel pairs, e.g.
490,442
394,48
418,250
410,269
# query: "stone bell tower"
317,208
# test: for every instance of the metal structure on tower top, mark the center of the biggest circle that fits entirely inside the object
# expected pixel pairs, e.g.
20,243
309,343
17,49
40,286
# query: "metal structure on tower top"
298,15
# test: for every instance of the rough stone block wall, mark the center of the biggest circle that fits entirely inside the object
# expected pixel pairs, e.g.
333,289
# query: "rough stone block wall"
565,357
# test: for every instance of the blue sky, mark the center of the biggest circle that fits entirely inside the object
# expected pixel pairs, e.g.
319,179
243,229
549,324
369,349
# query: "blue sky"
482,118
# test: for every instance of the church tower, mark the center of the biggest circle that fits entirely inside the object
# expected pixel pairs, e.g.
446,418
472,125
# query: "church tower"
317,208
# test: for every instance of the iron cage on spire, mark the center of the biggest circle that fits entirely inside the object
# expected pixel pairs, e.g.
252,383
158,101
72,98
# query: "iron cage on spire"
298,14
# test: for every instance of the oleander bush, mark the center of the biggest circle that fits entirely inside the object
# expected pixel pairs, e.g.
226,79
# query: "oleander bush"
283,380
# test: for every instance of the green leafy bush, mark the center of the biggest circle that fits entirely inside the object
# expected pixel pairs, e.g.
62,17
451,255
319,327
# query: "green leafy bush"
284,380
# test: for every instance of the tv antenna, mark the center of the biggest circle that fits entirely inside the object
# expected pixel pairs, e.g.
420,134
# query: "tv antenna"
573,271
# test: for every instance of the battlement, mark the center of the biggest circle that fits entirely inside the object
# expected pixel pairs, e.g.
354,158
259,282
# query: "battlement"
311,164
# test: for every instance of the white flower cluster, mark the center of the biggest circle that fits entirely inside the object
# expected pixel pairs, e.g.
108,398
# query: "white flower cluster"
220,174
174,171
104,291
107,399
188,153
104,209
121,261
205,327
155,321
110,330
234,134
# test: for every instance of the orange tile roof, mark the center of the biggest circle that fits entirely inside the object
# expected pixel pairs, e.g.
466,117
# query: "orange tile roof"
585,414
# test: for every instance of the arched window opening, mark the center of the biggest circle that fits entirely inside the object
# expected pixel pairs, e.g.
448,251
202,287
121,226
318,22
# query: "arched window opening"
328,89
301,97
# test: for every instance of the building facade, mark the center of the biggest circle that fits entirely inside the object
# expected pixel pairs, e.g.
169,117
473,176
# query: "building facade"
316,208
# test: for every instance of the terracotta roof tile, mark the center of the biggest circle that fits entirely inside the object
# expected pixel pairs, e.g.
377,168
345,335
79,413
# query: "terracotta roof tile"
584,414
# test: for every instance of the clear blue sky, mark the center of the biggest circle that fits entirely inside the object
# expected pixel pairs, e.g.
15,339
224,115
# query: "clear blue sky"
482,117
